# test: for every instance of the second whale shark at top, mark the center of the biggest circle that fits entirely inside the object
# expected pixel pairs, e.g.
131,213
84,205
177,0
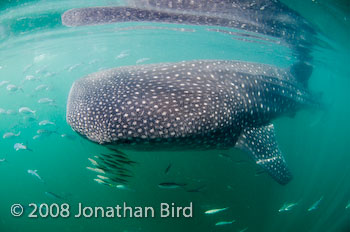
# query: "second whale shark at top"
264,17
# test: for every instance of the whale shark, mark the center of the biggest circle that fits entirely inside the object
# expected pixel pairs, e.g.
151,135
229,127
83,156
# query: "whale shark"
264,17
189,105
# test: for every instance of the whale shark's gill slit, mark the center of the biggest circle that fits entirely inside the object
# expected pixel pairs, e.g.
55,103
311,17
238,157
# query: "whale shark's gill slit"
113,168
261,144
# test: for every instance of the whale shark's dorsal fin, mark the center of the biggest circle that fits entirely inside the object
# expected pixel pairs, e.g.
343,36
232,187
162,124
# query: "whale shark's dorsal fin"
261,144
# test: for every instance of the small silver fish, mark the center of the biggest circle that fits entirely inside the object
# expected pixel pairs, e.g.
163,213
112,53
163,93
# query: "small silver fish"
21,146
170,185
4,83
12,88
36,137
46,122
93,162
103,177
123,54
348,205
10,135
315,205
35,174
2,111
26,110
3,160
225,223
214,211
31,78
287,207
54,196
100,181
45,100
41,87
68,136
123,187
142,60
98,170
74,66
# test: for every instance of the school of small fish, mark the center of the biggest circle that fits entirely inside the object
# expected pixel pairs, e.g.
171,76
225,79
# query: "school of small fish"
27,116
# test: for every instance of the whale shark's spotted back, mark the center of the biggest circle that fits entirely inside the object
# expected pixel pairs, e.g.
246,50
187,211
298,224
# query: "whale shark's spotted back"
201,104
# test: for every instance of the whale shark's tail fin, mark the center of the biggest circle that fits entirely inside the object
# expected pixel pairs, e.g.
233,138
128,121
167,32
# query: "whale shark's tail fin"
261,144
302,72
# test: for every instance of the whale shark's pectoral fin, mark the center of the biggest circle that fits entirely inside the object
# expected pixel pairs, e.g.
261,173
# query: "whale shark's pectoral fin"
261,144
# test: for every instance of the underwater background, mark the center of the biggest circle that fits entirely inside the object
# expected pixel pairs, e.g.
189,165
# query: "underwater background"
41,58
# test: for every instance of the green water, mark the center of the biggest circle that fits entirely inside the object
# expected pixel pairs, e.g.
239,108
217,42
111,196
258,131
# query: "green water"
315,144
